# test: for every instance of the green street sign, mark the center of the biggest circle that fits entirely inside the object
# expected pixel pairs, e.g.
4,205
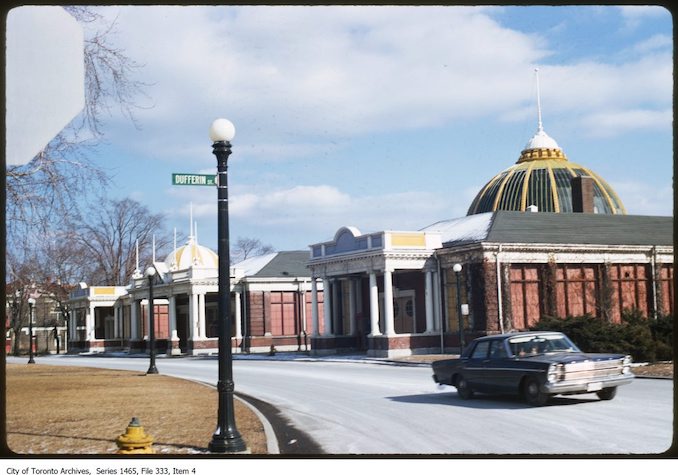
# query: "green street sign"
193,179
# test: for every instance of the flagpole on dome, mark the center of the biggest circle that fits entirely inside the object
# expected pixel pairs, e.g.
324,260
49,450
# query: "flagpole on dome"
540,126
137,273
190,229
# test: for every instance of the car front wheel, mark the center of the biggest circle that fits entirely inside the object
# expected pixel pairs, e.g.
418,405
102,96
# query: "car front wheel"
607,393
462,388
533,393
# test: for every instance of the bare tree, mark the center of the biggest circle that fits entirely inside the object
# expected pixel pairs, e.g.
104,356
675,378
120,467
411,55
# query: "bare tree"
248,247
46,191
19,288
107,240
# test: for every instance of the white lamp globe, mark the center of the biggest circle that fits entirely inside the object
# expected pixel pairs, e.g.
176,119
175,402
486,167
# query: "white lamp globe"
222,130
31,301
456,267
150,272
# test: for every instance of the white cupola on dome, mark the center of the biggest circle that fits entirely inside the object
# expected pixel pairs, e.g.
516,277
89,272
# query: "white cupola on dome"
541,140
192,254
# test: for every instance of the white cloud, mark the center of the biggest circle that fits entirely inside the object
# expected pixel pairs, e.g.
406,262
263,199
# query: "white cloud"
300,82
654,43
326,208
634,15
340,71
645,199
613,123
284,74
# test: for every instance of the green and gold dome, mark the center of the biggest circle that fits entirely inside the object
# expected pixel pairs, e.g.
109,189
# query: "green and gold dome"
542,177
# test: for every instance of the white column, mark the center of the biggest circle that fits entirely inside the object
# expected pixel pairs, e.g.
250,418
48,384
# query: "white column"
72,325
172,346
116,321
429,302
351,306
327,307
374,306
238,316
436,301
336,314
201,316
147,321
302,297
134,320
388,303
193,316
89,323
172,315
314,307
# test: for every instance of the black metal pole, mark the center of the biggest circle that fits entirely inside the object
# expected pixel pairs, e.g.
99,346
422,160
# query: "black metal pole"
459,316
226,437
151,331
30,336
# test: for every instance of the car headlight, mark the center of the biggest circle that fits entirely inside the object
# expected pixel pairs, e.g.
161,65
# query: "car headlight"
554,372
626,364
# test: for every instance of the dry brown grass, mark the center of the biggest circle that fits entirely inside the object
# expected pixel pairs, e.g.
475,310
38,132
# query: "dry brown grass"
71,410
664,370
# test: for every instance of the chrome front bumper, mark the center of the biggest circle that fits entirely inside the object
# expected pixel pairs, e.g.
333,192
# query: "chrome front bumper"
587,385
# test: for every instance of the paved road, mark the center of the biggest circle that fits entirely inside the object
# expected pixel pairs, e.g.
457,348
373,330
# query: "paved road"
354,406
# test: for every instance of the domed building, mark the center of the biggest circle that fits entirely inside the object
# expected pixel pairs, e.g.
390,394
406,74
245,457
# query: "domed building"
544,178
269,301
500,268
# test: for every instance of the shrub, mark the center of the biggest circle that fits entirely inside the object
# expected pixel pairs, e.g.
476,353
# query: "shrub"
645,339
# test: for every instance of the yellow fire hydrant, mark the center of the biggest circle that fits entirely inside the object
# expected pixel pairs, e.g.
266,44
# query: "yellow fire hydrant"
135,440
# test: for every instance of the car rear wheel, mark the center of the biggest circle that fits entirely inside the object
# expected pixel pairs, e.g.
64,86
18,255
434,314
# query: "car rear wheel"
462,388
533,394
607,393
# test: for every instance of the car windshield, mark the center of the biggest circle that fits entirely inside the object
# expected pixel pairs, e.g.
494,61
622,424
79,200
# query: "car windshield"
530,345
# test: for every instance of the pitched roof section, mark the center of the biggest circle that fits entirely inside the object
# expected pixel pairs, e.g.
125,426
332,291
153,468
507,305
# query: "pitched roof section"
557,228
581,228
277,264
470,228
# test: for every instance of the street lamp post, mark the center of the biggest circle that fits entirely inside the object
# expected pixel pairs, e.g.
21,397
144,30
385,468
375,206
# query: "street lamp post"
226,437
150,273
457,271
31,303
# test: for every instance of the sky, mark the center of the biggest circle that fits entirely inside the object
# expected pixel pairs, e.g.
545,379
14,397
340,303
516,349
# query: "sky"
384,118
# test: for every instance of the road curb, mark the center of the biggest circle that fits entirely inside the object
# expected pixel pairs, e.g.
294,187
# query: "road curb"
290,439
272,446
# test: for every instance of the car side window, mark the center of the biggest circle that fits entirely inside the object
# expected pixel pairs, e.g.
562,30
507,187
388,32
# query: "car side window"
498,350
481,350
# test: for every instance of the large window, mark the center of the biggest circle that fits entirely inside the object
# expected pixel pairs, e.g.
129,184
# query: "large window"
630,288
526,306
283,313
665,288
576,290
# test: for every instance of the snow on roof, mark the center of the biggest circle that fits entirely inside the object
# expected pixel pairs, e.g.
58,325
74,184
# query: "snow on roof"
468,228
254,264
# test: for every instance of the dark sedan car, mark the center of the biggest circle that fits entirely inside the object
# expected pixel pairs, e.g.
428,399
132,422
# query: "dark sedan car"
537,365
